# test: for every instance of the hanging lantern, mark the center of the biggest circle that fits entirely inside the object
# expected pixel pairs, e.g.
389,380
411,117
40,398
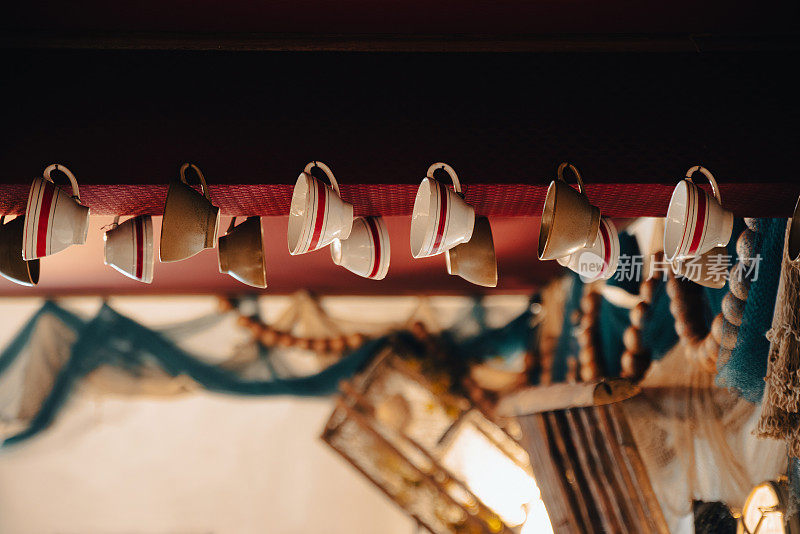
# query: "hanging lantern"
766,511
432,452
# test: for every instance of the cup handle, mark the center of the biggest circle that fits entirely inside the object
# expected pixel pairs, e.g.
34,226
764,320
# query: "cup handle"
116,222
574,171
203,185
56,167
328,172
231,225
705,172
449,170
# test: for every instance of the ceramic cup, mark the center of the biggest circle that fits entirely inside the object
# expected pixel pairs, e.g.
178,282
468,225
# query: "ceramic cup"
474,261
12,266
317,215
366,252
793,246
441,219
598,261
190,219
241,252
696,221
129,247
569,221
54,219
709,269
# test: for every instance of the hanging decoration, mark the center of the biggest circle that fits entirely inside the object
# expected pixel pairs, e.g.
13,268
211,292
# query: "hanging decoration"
128,247
54,219
190,219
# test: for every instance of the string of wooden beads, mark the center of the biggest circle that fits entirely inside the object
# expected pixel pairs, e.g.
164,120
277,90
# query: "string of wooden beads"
714,347
590,369
636,358
270,337
727,328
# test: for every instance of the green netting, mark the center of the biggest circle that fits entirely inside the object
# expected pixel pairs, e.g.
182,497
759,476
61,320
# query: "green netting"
745,369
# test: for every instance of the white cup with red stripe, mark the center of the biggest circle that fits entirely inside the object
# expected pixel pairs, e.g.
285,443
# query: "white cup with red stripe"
54,219
696,221
598,261
441,218
317,215
129,247
366,252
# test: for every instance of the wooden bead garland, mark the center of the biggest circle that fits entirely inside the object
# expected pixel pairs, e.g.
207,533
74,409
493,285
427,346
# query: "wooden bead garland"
636,359
588,366
715,346
269,337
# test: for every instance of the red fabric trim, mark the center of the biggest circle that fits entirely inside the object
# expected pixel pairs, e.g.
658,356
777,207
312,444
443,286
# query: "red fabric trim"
500,200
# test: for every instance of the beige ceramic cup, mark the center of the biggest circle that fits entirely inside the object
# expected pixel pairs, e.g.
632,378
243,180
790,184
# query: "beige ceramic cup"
475,261
569,221
54,219
709,269
696,221
129,247
241,252
367,251
317,215
12,266
441,218
598,261
190,219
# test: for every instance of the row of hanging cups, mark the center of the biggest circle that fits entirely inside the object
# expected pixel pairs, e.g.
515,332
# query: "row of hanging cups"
574,232
55,220
442,223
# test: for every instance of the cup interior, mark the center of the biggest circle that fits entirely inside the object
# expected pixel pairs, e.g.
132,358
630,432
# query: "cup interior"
676,222
298,210
336,251
547,218
421,226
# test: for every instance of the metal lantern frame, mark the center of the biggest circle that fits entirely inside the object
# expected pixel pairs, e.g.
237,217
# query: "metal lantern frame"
403,456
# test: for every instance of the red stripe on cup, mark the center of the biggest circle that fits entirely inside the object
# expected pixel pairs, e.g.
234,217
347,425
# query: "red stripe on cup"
606,247
689,190
699,226
376,239
443,199
44,217
320,219
139,246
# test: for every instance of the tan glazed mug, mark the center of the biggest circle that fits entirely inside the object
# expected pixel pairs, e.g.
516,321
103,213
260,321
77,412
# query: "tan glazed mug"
569,221
190,219
241,252
54,219
475,261
12,266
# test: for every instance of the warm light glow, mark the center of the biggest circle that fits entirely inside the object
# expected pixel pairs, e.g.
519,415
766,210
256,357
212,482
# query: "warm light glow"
763,503
497,481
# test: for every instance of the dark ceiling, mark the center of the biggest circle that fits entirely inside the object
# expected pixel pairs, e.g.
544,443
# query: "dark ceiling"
632,92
